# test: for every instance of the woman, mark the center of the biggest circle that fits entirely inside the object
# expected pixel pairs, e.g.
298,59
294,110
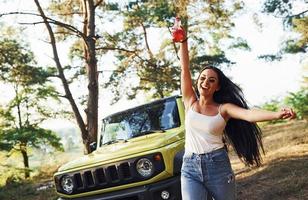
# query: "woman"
217,113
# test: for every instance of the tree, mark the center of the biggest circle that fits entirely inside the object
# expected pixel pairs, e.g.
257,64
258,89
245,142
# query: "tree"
21,117
209,24
294,18
67,10
65,25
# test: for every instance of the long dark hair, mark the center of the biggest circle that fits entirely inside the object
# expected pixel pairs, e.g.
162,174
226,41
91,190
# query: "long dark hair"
244,136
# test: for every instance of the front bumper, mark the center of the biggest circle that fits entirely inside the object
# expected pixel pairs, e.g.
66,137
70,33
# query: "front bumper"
146,192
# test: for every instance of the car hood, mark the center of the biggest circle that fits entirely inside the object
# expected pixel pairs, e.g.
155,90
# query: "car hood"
123,149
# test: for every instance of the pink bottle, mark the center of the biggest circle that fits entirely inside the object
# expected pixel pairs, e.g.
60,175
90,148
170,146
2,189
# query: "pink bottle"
178,34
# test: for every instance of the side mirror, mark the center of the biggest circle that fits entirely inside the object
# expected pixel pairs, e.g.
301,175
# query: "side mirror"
93,146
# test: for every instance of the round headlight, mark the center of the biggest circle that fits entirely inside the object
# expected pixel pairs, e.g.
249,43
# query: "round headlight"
67,184
145,167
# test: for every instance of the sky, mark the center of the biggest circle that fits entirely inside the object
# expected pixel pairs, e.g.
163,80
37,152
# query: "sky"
260,81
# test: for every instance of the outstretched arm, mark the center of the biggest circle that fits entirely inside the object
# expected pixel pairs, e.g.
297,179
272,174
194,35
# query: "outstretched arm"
256,115
186,83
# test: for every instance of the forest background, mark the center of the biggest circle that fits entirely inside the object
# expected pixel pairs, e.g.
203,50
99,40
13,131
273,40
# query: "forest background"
66,64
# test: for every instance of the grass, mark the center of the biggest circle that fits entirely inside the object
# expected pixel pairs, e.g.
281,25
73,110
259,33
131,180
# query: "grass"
283,174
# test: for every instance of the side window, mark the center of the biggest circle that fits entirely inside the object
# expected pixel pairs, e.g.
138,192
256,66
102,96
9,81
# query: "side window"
170,118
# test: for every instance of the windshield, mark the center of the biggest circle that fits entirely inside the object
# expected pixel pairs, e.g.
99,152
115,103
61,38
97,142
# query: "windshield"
147,119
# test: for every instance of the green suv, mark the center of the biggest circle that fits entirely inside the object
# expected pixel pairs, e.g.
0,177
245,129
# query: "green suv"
138,156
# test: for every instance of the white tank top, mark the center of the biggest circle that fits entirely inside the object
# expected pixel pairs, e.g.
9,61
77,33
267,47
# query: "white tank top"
203,133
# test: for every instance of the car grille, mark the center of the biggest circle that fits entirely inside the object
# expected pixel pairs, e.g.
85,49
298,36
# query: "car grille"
103,176
107,176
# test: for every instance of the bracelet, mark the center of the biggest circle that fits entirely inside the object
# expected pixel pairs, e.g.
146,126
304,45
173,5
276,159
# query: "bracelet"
184,40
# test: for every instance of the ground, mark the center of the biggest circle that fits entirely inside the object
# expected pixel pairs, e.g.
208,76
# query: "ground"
283,174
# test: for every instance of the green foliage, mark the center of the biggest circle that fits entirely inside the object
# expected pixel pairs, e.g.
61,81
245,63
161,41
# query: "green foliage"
299,101
215,60
31,135
278,7
273,105
151,13
17,64
240,44
12,54
4,146
270,57
112,6
292,46
301,27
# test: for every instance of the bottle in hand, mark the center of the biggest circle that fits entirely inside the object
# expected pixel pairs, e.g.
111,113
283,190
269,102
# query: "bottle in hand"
178,34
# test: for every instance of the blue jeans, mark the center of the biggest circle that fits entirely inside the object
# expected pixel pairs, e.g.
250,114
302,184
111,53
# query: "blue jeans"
207,174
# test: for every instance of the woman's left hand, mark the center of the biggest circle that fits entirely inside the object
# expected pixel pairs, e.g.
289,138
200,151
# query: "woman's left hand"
286,113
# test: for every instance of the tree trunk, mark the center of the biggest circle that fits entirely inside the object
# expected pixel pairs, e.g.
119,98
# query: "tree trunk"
91,66
23,150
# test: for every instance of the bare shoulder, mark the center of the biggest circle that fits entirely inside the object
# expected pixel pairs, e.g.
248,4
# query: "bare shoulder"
225,108
188,102
230,110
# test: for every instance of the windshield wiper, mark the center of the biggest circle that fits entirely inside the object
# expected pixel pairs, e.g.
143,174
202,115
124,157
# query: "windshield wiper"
148,132
115,141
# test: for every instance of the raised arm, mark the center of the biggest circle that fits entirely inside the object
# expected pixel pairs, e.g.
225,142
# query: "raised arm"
256,115
186,83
